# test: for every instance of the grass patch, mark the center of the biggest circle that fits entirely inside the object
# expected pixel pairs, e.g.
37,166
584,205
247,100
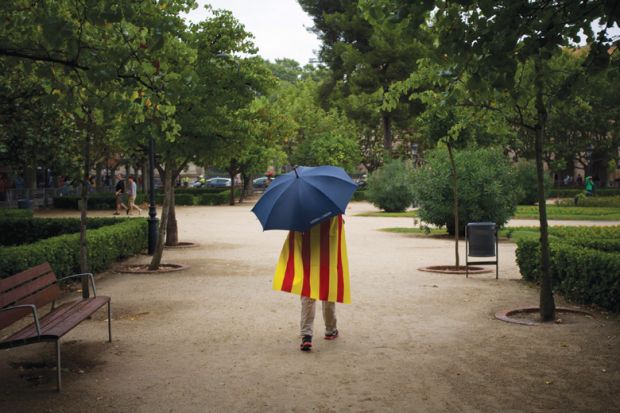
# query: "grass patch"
406,214
418,232
570,213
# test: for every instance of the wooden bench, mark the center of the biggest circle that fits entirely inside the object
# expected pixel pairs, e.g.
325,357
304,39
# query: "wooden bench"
24,294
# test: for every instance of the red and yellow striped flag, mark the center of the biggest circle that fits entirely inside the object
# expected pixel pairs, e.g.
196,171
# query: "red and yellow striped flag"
314,263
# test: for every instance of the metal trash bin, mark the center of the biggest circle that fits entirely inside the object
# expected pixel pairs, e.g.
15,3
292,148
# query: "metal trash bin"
481,241
24,204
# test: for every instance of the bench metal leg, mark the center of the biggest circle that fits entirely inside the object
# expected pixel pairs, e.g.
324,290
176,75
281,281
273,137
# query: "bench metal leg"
109,322
58,378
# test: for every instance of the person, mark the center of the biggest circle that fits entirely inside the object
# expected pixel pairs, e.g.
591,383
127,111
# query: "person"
314,265
132,191
589,186
579,180
118,194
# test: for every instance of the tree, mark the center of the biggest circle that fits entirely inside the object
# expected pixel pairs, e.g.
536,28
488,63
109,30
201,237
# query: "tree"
73,46
390,187
490,39
365,58
486,188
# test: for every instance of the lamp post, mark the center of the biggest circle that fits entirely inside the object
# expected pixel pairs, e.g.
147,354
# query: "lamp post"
152,209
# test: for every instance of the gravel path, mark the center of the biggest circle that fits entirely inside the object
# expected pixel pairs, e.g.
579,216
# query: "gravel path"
216,338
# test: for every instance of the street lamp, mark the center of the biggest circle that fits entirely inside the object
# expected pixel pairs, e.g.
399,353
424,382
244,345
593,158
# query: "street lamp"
152,208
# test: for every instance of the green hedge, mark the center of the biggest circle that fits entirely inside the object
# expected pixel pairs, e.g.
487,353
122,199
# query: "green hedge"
18,231
96,201
585,264
571,193
592,201
360,195
200,191
183,196
221,198
15,213
105,246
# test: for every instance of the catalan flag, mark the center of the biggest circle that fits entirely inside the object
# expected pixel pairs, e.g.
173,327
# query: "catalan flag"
314,263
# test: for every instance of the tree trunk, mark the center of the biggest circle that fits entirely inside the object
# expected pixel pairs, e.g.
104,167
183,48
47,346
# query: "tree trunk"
30,177
83,217
547,304
244,189
455,192
163,224
387,133
231,198
172,230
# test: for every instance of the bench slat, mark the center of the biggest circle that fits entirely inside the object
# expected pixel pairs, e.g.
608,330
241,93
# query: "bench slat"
39,299
25,290
22,277
62,320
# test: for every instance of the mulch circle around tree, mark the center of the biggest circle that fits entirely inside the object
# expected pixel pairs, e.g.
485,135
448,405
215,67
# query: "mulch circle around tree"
144,268
186,244
453,269
530,316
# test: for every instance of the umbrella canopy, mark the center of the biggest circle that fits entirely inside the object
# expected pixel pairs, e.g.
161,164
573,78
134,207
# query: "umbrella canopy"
304,197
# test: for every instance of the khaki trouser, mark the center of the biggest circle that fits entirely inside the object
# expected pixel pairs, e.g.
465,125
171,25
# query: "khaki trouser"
307,316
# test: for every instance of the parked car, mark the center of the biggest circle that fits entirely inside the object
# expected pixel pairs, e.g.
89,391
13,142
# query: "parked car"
218,183
261,182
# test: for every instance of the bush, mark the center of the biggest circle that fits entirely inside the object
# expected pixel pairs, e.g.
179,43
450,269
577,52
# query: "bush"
220,198
360,195
585,264
389,187
105,245
571,193
18,231
592,201
96,201
183,199
486,188
527,179
15,213
199,191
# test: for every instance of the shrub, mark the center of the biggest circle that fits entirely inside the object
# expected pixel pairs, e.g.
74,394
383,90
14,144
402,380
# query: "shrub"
486,191
389,187
105,245
17,231
582,275
199,191
585,264
571,193
96,201
592,201
360,195
220,198
183,199
526,179
15,213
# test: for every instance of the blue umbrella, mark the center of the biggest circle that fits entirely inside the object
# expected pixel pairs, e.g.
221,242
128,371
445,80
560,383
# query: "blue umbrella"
304,197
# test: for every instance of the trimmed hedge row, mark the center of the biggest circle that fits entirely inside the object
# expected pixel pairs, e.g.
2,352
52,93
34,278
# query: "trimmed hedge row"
105,201
18,231
201,191
592,201
585,264
105,246
360,195
571,193
15,213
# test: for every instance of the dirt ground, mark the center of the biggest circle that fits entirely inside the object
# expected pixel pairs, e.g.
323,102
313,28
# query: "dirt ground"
216,338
